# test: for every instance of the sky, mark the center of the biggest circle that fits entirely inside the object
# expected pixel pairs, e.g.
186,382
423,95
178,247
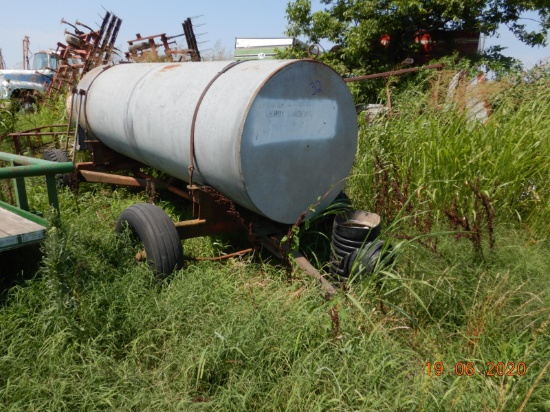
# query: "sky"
217,23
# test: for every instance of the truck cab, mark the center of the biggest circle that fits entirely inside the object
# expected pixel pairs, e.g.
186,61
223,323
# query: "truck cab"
25,85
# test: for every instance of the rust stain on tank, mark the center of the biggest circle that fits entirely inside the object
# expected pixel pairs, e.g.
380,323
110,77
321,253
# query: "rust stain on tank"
169,67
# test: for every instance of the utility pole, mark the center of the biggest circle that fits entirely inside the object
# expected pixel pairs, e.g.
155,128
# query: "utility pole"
2,62
26,64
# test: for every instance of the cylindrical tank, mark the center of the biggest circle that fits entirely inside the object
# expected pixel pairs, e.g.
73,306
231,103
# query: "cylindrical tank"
273,136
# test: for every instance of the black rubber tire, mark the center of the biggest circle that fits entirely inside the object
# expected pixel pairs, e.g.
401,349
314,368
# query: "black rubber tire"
56,155
342,249
363,260
59,156
337,271
349,225
159,236
343,241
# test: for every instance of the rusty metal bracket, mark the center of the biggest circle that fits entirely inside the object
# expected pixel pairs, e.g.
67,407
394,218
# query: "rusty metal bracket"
393,73
308,268
386,75
38,133
103,156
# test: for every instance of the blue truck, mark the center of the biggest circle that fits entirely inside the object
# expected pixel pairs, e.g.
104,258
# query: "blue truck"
26,85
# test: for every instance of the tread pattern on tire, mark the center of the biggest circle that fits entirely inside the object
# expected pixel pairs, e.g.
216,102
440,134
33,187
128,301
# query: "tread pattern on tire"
158,234
58,156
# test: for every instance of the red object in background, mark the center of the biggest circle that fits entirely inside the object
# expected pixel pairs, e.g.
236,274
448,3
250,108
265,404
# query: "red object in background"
426,42
440,43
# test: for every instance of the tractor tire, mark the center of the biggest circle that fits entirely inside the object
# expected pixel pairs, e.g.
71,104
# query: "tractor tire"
59,156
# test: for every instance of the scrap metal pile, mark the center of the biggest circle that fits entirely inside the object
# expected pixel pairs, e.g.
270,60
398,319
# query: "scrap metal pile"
83,51
86,48
146,49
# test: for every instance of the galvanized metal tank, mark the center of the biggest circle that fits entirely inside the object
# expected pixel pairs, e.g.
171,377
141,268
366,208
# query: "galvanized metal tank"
273,136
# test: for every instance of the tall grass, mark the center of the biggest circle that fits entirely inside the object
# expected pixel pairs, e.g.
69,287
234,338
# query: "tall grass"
94,329
449,162
8,118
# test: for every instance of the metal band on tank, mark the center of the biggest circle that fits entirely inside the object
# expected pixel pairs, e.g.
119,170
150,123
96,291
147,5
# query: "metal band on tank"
195,114
84,93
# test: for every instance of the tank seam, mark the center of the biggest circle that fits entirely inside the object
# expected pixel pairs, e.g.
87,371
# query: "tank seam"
195,115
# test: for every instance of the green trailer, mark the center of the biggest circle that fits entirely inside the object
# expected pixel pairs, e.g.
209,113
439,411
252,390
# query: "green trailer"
18,225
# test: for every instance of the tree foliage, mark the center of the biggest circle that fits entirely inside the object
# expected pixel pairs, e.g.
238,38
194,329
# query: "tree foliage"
356,27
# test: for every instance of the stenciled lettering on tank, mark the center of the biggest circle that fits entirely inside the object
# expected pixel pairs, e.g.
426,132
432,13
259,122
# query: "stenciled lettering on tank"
279,120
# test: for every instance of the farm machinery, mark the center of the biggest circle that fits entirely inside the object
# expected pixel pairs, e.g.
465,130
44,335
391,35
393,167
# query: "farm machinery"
254,146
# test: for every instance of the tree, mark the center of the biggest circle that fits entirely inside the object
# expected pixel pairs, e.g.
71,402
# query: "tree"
376,35
217,53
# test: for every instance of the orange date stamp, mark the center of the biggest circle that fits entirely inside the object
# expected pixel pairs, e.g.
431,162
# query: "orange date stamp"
471,369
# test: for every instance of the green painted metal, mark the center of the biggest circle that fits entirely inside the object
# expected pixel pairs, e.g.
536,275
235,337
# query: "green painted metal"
22,167
21,193
39,169
22,160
